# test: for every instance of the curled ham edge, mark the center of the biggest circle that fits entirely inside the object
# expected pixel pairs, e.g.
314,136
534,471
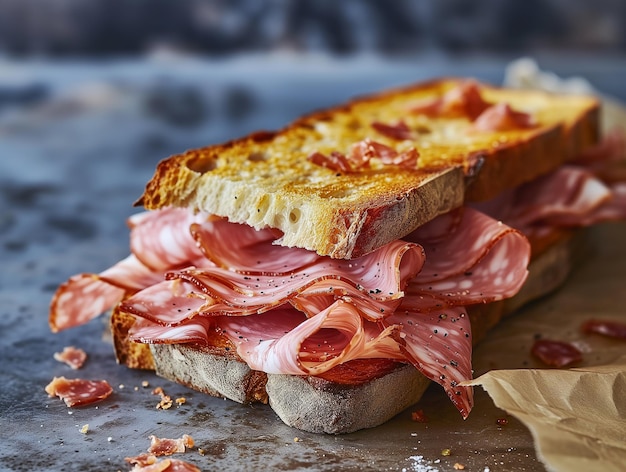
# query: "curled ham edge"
107,288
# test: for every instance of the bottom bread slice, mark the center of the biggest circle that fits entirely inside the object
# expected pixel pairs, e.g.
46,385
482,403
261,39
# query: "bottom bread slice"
306,403
358,395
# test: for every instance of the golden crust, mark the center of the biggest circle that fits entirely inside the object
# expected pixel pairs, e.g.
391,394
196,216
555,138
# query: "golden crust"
265,179
128,353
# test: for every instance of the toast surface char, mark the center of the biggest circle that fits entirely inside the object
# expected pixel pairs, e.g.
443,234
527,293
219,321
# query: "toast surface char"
266,180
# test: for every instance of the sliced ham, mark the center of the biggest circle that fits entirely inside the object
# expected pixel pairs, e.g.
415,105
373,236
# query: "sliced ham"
161,239
85,296
556,353
609,328
569,197
466,101
286,342
375,280
328,319
292,311
78,392
439,344
191,331
480,260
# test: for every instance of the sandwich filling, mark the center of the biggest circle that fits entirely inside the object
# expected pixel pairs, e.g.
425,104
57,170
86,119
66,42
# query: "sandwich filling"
291,311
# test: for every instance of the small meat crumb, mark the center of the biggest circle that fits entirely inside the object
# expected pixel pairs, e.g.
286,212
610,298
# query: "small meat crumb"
167,447
167,465
502,421
142,460
419,416
72,356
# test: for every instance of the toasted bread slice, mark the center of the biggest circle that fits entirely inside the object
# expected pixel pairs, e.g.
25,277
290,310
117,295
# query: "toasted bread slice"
356,395
266,180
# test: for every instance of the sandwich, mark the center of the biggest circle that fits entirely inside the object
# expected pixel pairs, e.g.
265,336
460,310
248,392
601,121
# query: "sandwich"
336,267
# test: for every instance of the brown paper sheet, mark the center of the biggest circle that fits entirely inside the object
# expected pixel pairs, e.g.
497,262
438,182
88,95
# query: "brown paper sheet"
577,415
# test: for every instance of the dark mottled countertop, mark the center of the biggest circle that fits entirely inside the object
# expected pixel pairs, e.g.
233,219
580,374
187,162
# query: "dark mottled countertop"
78,141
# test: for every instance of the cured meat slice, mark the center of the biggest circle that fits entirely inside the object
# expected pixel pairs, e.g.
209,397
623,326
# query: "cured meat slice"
69,306
330,321
285,342
569,197
85,296
243,249
149,332
375,280
78,392
563,198
479,260
439,344
367,149
600,159
609,328
556,353
161,239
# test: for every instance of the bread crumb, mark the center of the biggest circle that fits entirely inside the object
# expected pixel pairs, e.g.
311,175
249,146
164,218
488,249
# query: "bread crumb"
84,429
110,439
145,384
181,401
297,439
458,466
166,401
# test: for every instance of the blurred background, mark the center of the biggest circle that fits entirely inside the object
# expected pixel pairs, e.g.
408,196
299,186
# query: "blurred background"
100,28
96,92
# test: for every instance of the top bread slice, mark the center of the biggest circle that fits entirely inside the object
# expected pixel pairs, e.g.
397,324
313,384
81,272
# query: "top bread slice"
266,180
